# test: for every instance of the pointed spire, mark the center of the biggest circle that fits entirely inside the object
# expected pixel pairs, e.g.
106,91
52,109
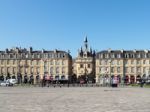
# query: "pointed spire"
86,40
94,53
86,44
90,49
81,49
81,52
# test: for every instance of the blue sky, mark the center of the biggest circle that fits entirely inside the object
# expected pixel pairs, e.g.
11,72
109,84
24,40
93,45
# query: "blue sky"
63,24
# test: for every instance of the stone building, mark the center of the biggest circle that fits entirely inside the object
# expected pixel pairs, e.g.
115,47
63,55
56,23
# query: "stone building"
128,65
84,63
26,62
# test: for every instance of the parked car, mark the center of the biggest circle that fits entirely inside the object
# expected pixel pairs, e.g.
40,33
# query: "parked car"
5,83
9,82
12,81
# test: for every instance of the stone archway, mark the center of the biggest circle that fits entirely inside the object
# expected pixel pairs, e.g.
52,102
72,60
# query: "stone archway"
119,78
138,78
132,79
126,79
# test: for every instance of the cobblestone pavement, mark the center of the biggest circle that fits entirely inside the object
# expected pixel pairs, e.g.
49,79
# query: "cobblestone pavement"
78,99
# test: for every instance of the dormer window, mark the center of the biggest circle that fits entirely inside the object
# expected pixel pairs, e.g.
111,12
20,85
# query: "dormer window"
112,55
119,56
101,56
139,56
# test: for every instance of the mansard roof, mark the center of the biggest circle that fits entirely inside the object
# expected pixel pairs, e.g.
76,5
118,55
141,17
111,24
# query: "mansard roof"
17,50
124,54
123,51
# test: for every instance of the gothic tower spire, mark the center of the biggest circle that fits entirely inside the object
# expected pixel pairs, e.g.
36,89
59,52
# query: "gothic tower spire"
86,43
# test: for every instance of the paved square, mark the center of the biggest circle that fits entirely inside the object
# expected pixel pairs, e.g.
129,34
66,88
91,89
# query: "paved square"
78,99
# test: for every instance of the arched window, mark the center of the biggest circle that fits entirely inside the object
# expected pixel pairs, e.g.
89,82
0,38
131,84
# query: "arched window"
63,62
57,70
51,70
32,70
2,62
8,62
14,70
63,70
38,62
3,70
37,70
51,62
57,62
8,70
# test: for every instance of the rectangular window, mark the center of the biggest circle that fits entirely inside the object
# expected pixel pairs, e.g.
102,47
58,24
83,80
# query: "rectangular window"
28,62
38,62
32,62
113,55
119,56
26,55
132,70
118,62
112,69
32,70
126,62
57,70
139,69
118,69
81,65
147,62
2,62
144,70
138,62
11,55
106,55
132,62
57,62
102,62
102,70
51,62
101,55
63,62
126,69
114,62
13,62
46,63
38,55
14,70
89,65
8,62
144,62
63,70
139,56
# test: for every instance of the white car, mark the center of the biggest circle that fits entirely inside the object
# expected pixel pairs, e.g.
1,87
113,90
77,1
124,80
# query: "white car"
4,83
12,81
9,82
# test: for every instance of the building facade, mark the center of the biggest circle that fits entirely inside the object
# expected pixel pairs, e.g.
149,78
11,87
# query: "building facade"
26,62
84,63
129,66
